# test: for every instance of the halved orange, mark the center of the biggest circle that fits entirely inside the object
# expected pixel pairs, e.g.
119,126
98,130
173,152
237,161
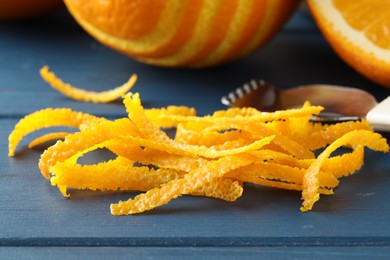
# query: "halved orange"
359,32
192,33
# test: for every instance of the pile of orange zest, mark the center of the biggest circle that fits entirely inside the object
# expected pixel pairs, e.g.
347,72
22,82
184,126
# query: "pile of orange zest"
212,155
84,95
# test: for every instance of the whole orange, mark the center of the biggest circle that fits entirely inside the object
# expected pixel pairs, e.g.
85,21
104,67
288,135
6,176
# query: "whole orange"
359,32
19,9
182,33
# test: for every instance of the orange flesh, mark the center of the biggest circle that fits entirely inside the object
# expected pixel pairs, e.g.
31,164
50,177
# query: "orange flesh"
368,16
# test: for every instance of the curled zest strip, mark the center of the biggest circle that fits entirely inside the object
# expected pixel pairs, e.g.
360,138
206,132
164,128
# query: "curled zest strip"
251,118
194,150
281,174
138,116
47,118
79,141
47,137
357,138
220,188
84,95
163,116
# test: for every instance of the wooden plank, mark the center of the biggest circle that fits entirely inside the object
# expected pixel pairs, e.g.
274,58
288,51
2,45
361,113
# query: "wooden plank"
195,252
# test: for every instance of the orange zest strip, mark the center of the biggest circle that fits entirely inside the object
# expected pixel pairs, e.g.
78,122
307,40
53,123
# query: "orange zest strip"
281,173
47,137
143,155
84,95
118,174
346,164
173,189
220,188
79,141
235,111
210,136
248,119
138,116
315,136
259,130
280,184
163,116
194,150
328,134
354,138
47,118
121,174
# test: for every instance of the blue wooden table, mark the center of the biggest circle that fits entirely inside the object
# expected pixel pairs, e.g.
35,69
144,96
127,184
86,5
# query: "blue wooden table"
37,222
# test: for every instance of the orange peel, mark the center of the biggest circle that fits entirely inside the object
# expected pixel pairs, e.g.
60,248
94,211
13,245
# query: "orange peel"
79,141
173,189
84,95
354,138
46,118
163,116
47,137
